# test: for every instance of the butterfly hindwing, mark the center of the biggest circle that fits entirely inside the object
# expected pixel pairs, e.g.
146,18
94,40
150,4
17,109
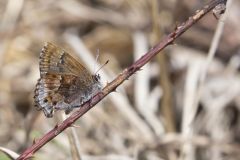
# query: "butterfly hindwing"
54,91
47,86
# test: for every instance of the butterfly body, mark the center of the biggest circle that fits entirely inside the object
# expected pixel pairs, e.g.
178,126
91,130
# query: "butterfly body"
64,83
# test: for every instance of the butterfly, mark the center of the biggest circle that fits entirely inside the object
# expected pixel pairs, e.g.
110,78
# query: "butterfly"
64,82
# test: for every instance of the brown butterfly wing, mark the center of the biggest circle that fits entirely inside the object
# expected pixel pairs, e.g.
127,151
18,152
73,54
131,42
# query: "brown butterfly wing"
62,80
55,60
46,91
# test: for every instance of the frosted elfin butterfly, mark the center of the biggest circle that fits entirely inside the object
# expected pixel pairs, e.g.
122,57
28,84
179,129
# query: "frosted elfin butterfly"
64,82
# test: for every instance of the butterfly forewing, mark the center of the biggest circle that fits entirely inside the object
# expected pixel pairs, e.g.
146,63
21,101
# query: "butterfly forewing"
56,60
64,83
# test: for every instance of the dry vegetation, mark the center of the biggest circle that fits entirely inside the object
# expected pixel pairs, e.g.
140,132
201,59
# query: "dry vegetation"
185,104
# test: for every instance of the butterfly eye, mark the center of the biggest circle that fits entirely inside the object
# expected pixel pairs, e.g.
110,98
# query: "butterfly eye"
96,77
45,100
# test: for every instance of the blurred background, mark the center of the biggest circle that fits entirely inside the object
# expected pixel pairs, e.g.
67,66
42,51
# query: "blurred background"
185,104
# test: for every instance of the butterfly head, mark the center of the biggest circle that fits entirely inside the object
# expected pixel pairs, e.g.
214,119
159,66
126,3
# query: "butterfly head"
96,77
97,83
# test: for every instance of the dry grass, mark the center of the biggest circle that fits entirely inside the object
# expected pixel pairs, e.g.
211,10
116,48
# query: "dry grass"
188,109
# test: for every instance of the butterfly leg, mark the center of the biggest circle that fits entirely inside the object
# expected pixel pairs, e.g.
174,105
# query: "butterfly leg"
91,97
64,106
77,103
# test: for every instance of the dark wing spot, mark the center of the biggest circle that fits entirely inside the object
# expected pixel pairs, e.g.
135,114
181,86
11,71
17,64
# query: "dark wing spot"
62,58
54,103
45,100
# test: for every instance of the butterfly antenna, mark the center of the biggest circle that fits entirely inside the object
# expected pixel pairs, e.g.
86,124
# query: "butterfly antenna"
96,59
101,66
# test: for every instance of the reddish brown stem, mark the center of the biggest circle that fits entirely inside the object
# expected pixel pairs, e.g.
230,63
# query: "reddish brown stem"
119,79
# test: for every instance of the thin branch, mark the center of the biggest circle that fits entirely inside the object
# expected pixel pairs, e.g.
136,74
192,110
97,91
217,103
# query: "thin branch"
166,109
211,54
73,141
142,82
111,87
